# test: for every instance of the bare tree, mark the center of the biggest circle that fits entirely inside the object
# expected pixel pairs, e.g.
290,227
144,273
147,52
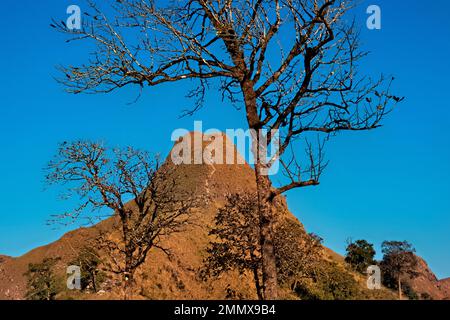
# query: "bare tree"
131,183
293,65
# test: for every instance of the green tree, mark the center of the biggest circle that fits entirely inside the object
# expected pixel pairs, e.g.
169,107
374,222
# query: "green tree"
89,262
398,262
329,282
360,255
237,240
425,296
237,244
409,291
42,284
297,253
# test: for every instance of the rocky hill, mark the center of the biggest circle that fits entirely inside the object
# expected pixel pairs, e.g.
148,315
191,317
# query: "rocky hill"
426,283
176,277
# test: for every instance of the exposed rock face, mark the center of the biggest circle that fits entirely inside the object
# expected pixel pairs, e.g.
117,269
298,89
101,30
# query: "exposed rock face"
444,285
427,283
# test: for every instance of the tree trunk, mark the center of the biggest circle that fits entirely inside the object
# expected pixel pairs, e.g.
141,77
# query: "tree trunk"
259,290
128,270
294,286
128,273
49,291
263,184
94,280
399,289
269,270
128,285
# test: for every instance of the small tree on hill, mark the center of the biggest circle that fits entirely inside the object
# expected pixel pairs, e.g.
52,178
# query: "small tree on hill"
42,283
237,240
360,255
107,179
398,262
297,253
237,244
89,261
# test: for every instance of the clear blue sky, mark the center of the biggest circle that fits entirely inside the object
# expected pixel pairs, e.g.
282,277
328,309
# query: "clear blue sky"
389,184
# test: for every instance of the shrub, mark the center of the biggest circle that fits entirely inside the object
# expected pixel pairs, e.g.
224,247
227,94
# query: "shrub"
330,282
42,284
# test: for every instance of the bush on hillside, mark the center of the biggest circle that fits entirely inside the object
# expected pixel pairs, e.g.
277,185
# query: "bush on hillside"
42,284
